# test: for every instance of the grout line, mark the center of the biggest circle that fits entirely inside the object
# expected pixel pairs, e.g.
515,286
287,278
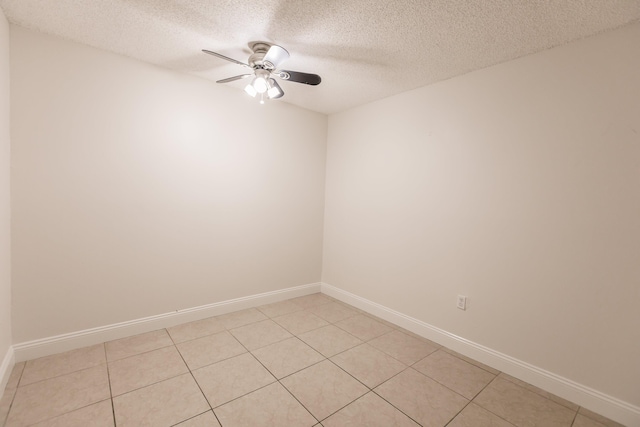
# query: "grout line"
364,394
204,336
446,386
297,400
295,335
154,382
6,417
195,381
63,375
469,360
458,413
575,416
306,367
150,384
247,351
141,353
538,391
487,409
392,405
113,407
190,418
73,410
457,356
21,375
15,392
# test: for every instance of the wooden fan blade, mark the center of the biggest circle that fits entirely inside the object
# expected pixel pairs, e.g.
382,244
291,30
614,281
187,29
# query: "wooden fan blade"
298,77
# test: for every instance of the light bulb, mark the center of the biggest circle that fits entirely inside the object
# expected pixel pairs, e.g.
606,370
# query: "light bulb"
260,84
250,90
274,92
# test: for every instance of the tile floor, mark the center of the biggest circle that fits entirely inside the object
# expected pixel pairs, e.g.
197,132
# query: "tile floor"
309,361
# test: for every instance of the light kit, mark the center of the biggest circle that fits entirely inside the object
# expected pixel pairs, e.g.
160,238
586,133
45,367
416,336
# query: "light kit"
264,62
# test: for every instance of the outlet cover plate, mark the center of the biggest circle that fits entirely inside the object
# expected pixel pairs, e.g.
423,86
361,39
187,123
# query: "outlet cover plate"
462,302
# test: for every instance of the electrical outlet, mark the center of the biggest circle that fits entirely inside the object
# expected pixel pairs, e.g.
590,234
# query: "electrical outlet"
462,302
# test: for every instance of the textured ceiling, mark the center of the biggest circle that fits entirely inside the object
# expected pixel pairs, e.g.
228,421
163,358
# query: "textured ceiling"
363,49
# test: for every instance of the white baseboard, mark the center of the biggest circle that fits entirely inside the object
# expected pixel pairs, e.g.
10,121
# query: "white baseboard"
611,407
5,369
60,343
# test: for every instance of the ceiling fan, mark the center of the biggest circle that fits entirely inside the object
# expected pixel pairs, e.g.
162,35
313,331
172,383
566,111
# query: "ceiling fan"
264,62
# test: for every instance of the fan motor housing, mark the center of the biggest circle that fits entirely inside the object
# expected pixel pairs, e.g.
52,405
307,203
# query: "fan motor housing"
259,49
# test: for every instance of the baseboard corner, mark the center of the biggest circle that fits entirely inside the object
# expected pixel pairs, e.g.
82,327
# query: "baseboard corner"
8,362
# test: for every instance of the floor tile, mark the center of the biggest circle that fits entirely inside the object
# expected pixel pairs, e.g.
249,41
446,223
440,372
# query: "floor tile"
475,416
6,398
130,346
56,396
162,404
312,300
456,374
144,369
210,349
152,384
323,388
16,374
268,407
363,327
330,340
333,312
598,418
241,318
472,361
5,404
351,307
259,334
300,322
279,308
97,415
369,365
421,398
198,329
419,337
369,411
582,421
286,357
232,378
62,363
543,393
403,347
381,320
205,420
522,407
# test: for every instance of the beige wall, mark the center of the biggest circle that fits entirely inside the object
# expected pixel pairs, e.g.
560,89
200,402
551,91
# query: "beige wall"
138,191
518,186
5,209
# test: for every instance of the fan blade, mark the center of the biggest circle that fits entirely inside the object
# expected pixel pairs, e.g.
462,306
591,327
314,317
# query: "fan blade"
274,56
234,78
226,58
298,77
